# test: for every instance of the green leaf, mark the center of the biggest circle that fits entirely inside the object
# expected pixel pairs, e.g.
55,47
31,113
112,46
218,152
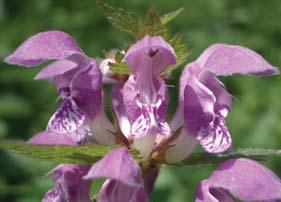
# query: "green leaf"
170,16
120,68
154,25
209,159
181,49
121,18
59,153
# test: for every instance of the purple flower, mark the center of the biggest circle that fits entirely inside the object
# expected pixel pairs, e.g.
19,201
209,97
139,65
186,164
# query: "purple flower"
78,81
70,186
204,102
124,181
145,93
139,103
242,179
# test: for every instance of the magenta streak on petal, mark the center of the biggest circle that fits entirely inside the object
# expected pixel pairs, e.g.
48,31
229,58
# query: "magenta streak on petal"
147,58
215,138
69,120
70,186
54,195
149,123
119,109
145,116
244,179
114,191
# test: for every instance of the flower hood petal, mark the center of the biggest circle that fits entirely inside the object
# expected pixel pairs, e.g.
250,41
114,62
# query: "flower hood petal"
150,51
244,179
225,60
50,45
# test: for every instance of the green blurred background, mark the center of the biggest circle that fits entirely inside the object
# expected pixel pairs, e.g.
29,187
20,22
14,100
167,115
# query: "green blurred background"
26,105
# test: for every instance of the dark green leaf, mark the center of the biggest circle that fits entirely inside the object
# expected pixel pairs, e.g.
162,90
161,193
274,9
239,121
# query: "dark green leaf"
59,153
120,68
170,16
154,27
121,18
208,159
181,50
119,56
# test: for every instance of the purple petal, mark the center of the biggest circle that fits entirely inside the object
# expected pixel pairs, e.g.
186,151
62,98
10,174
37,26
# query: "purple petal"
145,131
147,118
44,46
54,195
51,138
189,72
134,105
70,185
56,68
198,106
119,109
117,165
244,179
152,53
63,81
224,60
130,93
201,117
215,138
69,120
181,147
150,179
147,59
114,191
223,98
86,90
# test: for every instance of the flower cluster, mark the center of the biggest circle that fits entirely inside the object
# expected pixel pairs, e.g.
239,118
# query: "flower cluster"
139,105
